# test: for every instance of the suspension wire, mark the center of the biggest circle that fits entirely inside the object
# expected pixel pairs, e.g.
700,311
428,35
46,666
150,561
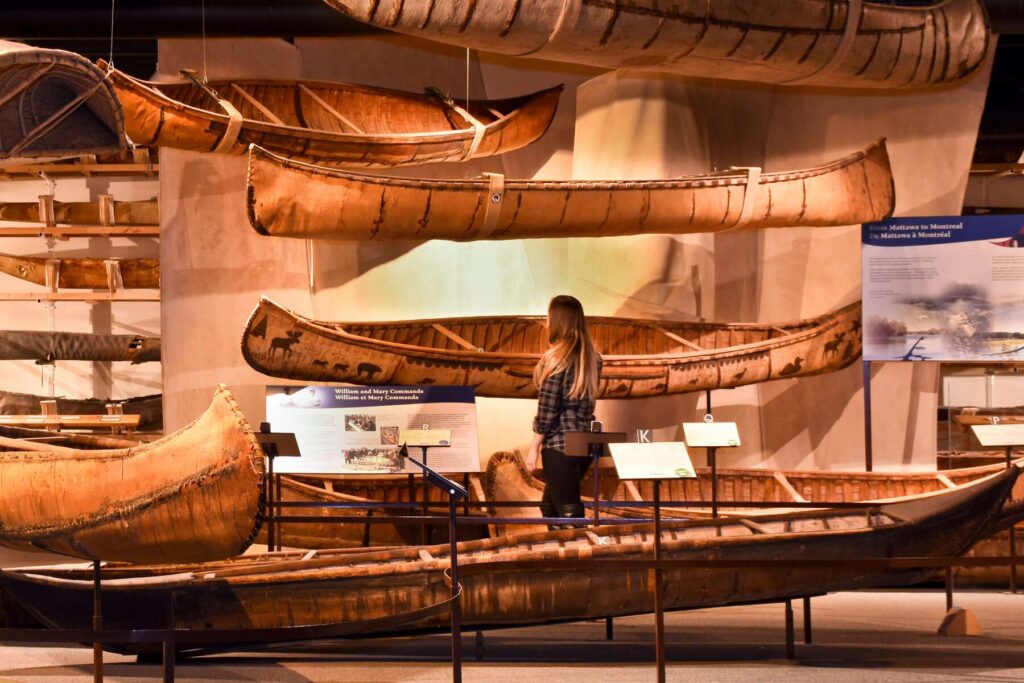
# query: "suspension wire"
203,18
110,57
467,79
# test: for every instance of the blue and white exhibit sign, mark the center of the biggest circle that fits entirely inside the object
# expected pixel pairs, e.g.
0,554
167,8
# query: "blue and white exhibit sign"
357,430
946,288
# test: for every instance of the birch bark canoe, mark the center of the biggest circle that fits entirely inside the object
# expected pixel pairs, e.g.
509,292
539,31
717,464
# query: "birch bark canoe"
150,409
138,213
334,123
849,43
52,346
192,496
293,199
533,579
506,479
364,490
25,438
496,355
55,104
85,273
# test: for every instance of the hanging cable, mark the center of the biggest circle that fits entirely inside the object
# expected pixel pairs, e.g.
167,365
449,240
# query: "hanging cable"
202,14
110,57
467,79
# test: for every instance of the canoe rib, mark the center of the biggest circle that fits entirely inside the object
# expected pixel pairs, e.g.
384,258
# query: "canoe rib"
786,42
53,346
194,495
84,273
280,343
58,102
292,199
314,121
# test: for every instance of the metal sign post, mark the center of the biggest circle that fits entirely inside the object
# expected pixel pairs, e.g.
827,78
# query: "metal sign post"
455,493
712,436
654,461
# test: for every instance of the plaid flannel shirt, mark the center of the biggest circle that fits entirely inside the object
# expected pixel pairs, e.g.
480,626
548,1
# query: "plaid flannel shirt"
557,413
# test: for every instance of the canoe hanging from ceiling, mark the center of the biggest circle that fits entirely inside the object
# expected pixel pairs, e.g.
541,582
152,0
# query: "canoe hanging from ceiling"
292,199
834,43
192,496
496,355
55,103
51,346
149,408
144,212
86,273
333,123
509,581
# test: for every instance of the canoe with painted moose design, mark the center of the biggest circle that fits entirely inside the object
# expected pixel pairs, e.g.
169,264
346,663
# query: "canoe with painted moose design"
496,355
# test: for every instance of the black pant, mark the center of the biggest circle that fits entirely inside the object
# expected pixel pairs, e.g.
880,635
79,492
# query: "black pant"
562,474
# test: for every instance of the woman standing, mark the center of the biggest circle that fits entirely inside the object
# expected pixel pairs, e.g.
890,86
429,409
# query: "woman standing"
567,380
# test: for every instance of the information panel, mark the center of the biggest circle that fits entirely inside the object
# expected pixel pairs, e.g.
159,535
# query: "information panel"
944,288
662,460
357,430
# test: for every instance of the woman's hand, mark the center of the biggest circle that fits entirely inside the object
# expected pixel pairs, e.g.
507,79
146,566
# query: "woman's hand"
533,454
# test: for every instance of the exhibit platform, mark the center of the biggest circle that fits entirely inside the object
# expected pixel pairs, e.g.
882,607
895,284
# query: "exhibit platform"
859,636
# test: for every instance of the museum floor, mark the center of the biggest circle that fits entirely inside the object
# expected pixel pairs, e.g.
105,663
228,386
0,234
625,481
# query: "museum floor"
866,636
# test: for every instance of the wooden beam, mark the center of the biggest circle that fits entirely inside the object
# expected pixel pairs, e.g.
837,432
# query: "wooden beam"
65,231
330,110
7,171
93,297
454,337
269,115
789,488
677,339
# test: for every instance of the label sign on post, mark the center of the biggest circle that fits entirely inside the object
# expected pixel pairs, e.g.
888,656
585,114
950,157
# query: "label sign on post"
711,434
666,460
419,438
999,435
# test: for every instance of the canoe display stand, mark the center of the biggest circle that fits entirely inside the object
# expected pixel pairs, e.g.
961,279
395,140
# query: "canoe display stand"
115,421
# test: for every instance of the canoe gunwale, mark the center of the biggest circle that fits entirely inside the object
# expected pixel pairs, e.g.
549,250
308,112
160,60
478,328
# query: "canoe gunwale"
809,328
149,90
480,185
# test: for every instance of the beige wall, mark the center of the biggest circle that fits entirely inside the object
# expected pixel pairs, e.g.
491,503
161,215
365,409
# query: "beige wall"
615,125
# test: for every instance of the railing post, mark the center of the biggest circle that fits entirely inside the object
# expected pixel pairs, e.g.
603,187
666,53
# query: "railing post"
659,615
790,632
168,652
807,620
97,623
456,610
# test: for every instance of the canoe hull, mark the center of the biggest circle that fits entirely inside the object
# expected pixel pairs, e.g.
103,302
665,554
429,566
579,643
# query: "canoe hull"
150,409
411,128
38,84
84,273
51,346
292,199
280,343
194,495
946,524
786,42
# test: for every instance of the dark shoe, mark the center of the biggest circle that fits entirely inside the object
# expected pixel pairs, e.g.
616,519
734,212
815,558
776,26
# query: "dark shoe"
571,510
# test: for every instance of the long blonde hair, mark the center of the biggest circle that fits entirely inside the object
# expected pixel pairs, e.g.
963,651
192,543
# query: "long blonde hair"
569,342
